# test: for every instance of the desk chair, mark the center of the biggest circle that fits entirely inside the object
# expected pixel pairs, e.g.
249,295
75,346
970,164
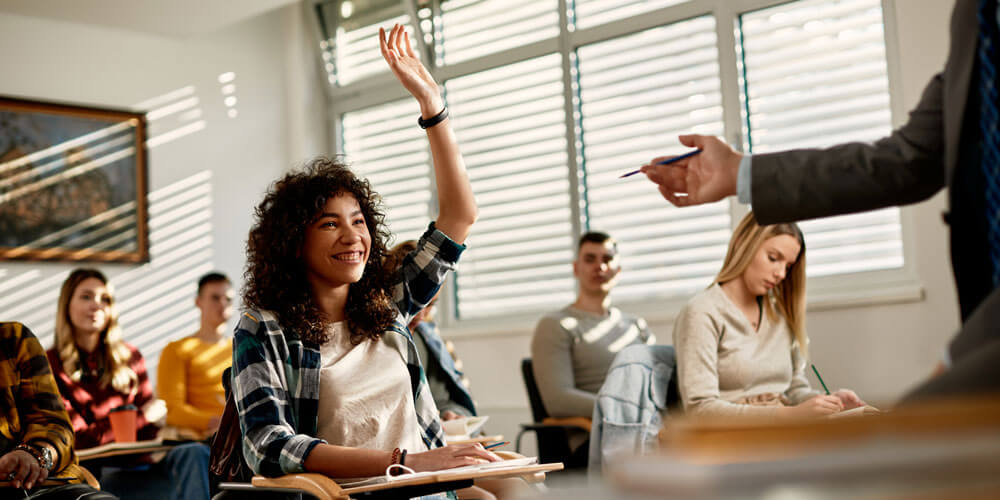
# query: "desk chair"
552,433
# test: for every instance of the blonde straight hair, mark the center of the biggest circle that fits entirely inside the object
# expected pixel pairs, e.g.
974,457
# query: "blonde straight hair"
112,352
789,296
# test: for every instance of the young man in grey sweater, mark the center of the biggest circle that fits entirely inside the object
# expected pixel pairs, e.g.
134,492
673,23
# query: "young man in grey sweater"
573,347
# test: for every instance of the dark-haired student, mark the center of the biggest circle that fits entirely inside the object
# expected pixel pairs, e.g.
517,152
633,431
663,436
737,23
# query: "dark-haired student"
573,348
189,376
325,377
36,439
97,371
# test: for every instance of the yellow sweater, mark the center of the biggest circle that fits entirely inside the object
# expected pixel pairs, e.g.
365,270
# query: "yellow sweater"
189,380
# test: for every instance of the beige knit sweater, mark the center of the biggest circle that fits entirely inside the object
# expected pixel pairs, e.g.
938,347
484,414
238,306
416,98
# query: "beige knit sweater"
721,359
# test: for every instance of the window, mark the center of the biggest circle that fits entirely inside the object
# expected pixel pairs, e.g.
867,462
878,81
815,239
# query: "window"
815,75
637,94
473,28
512,129
550,108
383,144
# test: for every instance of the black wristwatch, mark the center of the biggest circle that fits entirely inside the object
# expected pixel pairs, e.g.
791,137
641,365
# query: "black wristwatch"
41,453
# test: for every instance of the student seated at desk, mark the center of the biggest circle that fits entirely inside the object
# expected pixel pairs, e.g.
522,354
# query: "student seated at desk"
448,386
190,371
36,439
741,344
325,378
97,371
572,348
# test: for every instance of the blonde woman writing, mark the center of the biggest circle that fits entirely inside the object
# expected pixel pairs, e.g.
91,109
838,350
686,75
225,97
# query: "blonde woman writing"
741,344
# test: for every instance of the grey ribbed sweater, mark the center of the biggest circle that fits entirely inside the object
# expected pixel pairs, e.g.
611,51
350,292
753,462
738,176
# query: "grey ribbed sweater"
571,352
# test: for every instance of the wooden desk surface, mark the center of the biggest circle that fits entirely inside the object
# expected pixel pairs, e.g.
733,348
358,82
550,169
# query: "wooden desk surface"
445,476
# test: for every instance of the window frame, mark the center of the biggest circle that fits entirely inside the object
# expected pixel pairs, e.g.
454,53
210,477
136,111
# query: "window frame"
826,292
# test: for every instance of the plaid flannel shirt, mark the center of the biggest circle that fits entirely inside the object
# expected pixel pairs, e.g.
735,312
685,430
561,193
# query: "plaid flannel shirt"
31,409
276,375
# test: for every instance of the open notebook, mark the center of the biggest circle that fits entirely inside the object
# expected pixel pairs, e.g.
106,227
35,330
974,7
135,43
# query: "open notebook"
462,428
442,474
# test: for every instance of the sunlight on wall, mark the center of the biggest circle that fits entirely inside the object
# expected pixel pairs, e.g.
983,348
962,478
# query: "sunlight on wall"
156,300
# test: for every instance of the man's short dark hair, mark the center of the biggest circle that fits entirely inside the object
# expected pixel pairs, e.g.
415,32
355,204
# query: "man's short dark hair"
212,277
596,237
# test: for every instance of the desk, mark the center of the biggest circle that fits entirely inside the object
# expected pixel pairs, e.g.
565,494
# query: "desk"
119,449
944,449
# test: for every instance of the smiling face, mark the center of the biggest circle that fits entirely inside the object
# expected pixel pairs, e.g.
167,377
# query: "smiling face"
90,307
337,243
597,267
771,263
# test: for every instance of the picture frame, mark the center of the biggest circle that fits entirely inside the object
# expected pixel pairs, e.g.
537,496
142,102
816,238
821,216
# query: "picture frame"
73,182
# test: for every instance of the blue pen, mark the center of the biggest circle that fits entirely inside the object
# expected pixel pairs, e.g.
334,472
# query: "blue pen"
665,162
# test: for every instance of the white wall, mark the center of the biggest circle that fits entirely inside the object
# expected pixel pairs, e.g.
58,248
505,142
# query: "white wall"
878,350
204,184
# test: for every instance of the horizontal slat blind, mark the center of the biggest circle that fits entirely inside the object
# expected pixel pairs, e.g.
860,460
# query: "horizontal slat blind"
357,53
638,93
384,144
510,122
815,74
474,28
590,13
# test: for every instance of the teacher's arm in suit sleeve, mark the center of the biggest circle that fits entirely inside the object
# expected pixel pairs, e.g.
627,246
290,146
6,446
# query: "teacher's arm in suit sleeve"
906,167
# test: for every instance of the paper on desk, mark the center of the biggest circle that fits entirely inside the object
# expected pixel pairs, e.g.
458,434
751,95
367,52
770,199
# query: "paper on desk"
860,411
488,466
463,427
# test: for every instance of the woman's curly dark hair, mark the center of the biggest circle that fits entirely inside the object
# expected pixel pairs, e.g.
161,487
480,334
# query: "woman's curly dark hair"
275,275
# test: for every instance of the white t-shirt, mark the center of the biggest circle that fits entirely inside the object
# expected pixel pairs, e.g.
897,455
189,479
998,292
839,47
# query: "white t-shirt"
365,400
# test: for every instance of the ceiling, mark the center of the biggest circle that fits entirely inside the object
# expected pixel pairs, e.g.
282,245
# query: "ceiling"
172,18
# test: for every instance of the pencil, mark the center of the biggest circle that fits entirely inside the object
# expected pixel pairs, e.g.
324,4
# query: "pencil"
821,380
494,445
664,162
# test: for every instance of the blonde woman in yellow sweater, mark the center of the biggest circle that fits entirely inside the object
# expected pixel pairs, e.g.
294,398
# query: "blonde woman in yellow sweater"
190,372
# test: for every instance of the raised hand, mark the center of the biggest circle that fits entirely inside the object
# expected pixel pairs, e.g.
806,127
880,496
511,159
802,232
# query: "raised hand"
703,178
398,52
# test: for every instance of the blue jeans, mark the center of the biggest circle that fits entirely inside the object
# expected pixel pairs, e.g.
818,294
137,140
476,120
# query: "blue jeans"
182,475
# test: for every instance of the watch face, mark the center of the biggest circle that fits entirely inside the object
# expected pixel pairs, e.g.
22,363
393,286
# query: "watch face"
46,458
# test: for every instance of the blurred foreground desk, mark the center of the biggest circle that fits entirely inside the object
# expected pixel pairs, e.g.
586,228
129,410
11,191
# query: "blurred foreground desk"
948,449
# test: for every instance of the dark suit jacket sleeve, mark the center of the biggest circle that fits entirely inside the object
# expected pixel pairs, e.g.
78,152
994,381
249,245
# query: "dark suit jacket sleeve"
906,167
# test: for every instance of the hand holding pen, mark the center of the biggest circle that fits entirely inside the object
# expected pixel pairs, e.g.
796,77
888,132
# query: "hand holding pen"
667,161
700,178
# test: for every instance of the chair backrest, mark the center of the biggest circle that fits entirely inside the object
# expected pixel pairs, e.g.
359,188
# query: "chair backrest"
227,380
538,412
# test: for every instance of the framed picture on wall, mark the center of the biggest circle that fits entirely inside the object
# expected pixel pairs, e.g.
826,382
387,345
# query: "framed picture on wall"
72,183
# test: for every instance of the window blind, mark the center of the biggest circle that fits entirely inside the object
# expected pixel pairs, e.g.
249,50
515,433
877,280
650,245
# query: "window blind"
474,28
591,13
356,49
384,144
815,75
510,122
637,94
